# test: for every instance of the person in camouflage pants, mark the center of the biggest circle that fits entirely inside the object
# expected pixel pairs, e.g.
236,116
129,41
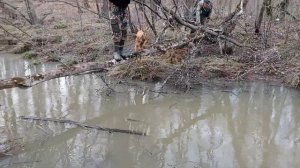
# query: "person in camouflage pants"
205,10
202,12
119,24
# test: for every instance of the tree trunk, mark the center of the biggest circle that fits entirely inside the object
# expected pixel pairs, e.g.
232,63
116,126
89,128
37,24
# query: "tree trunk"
260,17
188,9
230,6
105,8
86,4
98,8
31,12
232,19
283,8
78,7
269,9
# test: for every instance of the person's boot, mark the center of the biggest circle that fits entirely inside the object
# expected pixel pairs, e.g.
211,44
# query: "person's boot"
117,55
122,42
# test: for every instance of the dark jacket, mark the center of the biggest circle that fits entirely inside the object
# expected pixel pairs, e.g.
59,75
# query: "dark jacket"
120,3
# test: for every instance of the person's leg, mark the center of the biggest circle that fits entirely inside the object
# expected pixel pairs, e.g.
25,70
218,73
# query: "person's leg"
124,27
116,30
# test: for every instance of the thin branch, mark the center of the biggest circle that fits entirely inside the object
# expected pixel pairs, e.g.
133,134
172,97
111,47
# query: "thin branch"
152,10
82,125
1,27
12,24
16,9
76,6
292,16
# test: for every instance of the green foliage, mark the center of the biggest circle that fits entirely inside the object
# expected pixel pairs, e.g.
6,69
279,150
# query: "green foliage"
36,62
52,57
30,55
60,25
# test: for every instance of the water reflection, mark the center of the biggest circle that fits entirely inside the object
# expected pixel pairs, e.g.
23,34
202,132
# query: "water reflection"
255,125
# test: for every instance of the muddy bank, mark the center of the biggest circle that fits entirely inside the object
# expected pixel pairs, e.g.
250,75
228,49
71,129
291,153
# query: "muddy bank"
66,39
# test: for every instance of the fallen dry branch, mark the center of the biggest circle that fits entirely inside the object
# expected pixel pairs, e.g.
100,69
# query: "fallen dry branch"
31,80
180,44
179,20
82,125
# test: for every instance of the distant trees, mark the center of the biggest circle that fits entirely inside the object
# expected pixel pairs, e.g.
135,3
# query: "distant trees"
260,16
13,12
86,4
282,6
31,12
267,9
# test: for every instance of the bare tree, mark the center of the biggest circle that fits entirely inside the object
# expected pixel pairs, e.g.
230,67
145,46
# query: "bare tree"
269,9
12,10
31,12
105,8
98,8
78,7
8,11
86,4
231,20
260,16
283,8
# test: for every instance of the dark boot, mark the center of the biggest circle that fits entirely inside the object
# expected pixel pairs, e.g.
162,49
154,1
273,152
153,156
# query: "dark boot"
122,42
117,55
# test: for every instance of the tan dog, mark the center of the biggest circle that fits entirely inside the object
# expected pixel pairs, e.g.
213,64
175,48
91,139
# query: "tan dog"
141,41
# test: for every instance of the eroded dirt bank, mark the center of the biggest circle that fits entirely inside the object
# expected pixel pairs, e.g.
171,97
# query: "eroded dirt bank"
69,40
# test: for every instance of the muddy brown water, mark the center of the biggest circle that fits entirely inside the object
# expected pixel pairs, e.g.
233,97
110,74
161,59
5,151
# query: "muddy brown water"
249,125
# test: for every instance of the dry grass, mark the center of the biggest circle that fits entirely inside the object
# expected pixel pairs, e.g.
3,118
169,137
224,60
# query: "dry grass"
144,69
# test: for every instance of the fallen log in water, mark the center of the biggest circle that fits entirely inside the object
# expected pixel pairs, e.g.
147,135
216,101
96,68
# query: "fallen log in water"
31,80
82,125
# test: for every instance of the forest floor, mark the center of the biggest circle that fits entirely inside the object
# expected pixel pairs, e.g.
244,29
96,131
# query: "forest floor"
70,38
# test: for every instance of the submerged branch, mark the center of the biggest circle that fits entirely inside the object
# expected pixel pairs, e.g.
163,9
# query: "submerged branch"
32,80
82,125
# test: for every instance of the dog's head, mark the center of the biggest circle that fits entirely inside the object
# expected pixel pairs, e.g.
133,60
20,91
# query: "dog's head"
140,40
140,35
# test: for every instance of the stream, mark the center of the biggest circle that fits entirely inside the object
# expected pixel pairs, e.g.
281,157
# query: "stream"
245,125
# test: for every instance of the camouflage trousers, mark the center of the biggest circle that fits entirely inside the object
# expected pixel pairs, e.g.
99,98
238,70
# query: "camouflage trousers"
119,23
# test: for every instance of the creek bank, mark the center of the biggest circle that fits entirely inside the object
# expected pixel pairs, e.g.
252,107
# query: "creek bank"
73,44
